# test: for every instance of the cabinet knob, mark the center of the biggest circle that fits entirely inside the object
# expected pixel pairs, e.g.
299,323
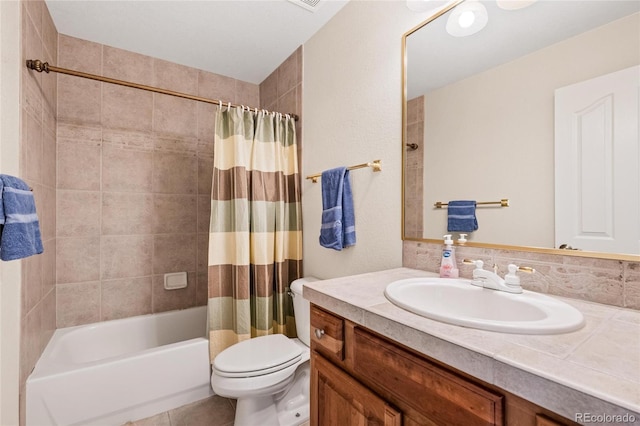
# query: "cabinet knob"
319,333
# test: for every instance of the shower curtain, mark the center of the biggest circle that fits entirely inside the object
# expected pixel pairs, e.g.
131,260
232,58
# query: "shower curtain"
255,233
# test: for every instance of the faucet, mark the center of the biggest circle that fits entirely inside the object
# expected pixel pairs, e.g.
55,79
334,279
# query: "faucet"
491,280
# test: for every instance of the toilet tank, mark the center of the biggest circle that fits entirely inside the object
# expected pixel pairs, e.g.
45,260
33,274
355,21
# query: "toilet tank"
301,310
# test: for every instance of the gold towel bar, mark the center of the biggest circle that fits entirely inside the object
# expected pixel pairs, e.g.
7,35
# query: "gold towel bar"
503,203
376,165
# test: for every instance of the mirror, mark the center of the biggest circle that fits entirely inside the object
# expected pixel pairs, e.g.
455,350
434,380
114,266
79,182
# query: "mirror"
491,116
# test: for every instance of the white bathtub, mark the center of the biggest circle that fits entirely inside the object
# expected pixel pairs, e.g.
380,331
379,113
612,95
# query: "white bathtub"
116,371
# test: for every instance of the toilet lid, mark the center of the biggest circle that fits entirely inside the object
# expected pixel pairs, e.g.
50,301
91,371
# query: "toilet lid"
255,357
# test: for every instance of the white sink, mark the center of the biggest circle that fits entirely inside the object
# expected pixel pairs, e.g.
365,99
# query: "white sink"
458,302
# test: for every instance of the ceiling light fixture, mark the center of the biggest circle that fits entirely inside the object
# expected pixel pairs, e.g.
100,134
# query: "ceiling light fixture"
467,18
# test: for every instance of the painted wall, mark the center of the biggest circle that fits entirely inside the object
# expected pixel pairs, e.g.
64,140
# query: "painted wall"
500,140
10,272
353,114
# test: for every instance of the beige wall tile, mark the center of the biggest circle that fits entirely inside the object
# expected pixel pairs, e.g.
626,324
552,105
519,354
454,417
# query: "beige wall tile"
205,176
78,303
125,298
126,108
175,116
632,285
79,100
78,213
289,74
49,158
287,103
202,288
126,170
206,123
127,213
203,252
46,210
48,266
31,282
167,300
49,36
34,148
79,165
215,86
174,253
31,348
79,55
129,66
204,213
269,91
247,94
176,77
126,256
174,174
77,259
48,323
174,213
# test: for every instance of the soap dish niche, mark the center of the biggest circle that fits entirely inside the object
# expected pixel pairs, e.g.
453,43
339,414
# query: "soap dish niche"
175,281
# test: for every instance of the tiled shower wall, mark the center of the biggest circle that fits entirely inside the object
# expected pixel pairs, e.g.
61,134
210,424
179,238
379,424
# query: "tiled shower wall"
612,282
134,182
38,169
282,91
414,171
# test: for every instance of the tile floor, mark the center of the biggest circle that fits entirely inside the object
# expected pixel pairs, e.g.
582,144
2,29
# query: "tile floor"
213,411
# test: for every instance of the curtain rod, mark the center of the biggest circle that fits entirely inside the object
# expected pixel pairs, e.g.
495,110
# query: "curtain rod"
37,65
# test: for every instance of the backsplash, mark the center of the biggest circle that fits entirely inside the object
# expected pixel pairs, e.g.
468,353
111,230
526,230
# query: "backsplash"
611,282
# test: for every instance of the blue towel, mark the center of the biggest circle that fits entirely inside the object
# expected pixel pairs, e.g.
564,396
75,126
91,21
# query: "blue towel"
338,219
462,216
19,228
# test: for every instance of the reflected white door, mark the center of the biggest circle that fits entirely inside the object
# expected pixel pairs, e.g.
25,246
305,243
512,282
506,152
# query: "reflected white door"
597,177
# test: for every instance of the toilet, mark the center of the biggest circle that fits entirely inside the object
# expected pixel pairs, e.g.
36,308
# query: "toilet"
269,375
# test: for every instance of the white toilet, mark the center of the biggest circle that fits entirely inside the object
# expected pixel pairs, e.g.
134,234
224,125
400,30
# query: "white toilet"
269,375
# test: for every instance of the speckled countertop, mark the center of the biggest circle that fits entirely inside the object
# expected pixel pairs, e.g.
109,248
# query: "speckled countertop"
594,370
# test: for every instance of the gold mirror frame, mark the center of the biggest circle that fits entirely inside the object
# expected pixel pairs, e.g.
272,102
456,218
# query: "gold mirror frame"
554,251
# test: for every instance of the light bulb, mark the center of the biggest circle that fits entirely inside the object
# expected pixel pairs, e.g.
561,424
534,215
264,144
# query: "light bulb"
466,18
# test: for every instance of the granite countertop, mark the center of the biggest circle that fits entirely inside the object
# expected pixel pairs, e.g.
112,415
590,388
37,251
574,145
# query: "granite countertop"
594,371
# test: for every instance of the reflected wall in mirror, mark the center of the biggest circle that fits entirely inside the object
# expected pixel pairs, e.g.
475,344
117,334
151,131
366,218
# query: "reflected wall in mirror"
524,110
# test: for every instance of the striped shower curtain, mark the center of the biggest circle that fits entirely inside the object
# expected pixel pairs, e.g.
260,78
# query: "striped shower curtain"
255,233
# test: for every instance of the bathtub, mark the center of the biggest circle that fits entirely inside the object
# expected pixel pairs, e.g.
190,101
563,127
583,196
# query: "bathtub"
116,371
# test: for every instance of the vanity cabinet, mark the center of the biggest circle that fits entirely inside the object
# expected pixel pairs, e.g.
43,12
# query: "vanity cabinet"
359,378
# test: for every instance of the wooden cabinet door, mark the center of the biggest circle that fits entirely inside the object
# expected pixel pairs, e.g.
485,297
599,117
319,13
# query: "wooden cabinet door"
337,399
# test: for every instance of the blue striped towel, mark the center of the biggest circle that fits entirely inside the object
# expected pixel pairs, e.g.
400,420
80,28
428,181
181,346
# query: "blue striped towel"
19,228
462,216
338,228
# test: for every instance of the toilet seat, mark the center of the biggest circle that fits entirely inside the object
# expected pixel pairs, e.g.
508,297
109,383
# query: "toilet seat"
257,357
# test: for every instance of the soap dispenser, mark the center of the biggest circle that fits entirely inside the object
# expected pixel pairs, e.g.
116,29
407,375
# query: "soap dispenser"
448,266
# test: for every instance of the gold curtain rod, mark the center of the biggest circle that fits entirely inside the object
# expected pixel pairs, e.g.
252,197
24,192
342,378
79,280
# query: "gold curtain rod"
503,203
37,65
376,165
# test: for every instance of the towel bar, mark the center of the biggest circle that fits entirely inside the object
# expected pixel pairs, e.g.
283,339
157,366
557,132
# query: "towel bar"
376,165
503,203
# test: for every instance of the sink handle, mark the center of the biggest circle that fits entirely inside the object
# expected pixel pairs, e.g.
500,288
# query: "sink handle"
527,269
479,263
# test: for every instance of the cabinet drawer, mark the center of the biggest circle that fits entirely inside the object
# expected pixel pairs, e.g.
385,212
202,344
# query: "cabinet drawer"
443,397
327,334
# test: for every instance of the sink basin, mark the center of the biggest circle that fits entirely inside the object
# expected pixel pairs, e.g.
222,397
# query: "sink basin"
458,302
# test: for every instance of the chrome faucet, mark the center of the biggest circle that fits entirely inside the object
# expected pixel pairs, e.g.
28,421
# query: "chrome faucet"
491,280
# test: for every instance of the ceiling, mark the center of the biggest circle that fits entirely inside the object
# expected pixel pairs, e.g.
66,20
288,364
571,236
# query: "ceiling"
243,39
436,58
